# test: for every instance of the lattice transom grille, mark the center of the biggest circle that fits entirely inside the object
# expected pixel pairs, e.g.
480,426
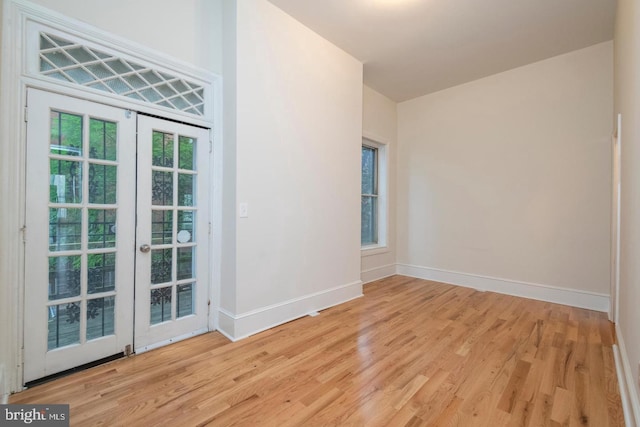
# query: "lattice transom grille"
75,63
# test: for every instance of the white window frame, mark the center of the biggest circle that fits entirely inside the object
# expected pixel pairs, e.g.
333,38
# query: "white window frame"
383,187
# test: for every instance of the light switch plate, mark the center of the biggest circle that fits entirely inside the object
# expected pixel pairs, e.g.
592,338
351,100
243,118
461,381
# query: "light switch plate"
244,210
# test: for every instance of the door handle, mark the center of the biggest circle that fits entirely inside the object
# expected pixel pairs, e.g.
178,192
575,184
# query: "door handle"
145,248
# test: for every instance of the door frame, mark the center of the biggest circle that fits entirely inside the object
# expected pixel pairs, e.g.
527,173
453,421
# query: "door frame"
616,190
17,74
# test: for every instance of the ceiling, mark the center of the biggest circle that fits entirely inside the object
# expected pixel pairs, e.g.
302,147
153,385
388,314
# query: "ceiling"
413,47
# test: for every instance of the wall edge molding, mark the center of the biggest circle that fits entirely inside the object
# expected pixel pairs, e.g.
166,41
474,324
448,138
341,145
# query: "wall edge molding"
628,394
223,324
566,296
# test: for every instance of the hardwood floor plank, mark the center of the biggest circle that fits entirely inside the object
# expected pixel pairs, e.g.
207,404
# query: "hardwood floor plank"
561,409
410,352
516,382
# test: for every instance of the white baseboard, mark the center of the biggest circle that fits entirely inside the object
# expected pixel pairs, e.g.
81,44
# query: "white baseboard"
565,296
628,392
239,326
226,323
377,273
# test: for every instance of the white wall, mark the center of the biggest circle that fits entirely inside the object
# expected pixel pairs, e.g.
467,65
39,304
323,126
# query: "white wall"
298,136
380,124
627,103
509,176
190,30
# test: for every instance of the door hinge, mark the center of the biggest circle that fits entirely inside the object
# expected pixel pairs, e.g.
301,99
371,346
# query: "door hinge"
23,230
26,114
127,350
208,303
209,228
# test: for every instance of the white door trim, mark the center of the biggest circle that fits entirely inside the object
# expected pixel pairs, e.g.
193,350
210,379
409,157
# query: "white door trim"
13,89
615,220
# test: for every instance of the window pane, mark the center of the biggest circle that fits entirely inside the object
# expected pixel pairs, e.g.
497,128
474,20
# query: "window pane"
64,277
102,139
66,134
186,152
102,184
161,227
161,265
63,325
185,189
100,317
101,276
102,228
162,188
65,182
185,263
184,300
369,224
185,226
369,170
162,149
65,229
160,305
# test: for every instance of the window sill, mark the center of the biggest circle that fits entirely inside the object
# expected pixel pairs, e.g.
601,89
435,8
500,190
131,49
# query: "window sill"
373,250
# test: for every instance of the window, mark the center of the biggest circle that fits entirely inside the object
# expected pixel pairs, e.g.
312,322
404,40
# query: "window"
369,212
373,207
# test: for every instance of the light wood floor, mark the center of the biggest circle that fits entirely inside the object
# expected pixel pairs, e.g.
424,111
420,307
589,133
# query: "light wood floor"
410,352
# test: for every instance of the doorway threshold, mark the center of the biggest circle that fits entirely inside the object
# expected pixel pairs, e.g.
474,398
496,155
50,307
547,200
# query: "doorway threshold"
55,376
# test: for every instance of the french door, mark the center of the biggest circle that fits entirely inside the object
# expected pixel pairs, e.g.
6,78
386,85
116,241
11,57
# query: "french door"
172,232
116,232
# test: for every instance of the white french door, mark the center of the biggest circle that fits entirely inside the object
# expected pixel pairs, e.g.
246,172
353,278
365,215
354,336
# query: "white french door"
92,287
172,232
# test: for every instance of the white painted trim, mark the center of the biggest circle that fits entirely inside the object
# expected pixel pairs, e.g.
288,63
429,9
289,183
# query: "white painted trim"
225,324
377,273
383,191
12,147
628,392
372,136
171,341
215,241
565,296
239,326
616,171
622,386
